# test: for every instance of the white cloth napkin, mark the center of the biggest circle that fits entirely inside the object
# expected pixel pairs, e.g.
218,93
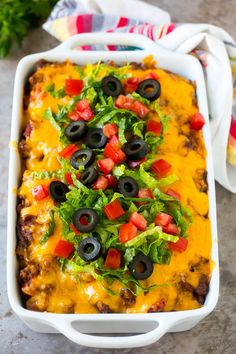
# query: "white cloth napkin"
213,46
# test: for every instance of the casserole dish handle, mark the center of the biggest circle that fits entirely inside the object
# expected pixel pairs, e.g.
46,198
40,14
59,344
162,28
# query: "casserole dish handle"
114,340
124,39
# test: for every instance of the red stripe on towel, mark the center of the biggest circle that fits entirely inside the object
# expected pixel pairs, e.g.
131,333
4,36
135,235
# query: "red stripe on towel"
171,27
123,21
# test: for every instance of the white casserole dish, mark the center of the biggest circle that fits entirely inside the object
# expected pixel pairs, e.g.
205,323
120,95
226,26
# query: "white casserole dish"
124,329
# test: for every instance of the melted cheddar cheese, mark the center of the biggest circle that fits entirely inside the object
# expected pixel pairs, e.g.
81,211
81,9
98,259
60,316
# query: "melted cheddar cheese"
47,286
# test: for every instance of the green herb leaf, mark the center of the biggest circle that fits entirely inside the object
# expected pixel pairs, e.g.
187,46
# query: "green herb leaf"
17,17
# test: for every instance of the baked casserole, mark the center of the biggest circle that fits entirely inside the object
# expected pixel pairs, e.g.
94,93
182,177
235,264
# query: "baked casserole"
113,202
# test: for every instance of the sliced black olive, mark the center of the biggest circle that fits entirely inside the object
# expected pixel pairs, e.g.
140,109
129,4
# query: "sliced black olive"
128,186
89,249
112,86
89,176
150,89
83,157
141,267
136,149
87,214
76,130
58,190
95,139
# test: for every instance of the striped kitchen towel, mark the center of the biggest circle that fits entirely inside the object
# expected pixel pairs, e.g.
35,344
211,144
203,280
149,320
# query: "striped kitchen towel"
214,48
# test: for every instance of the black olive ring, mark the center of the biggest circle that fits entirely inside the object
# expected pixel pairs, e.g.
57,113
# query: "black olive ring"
95,139
136,149
128,187
141,267
83,157
58,190
91,217
111,86
89,176
149,89
89,249
76,130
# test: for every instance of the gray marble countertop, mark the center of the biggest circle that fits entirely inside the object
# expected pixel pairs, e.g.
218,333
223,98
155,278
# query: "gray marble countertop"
217,333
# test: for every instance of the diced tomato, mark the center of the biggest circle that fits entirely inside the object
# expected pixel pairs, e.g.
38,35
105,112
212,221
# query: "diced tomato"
74,115
114,140
82,105
113,259
154,126
173,194
131,84
86,114
82,112
134,164
63,249
68,177
123,102
106,165
151,75
162,219
171,229
83,220
136,106
68,151
140,109
111,181
138,220
129,88
110,129
73,228
133,80
40,192
73,87
127,232
161,167
145,193
114,152
197,121
113,210
100,183
180,245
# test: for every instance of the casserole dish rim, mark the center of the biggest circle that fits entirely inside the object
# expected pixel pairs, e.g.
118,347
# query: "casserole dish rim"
63,322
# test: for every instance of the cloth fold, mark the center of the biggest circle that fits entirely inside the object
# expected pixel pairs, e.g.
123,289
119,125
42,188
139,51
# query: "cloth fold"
214,48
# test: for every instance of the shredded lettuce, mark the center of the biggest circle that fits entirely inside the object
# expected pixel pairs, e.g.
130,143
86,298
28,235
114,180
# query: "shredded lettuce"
60,93
46,174
121,131
52,118
159,254
167,180
150,181
182,219
49,115
51,228
163,118
119,170
140,98
154,232
138,128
